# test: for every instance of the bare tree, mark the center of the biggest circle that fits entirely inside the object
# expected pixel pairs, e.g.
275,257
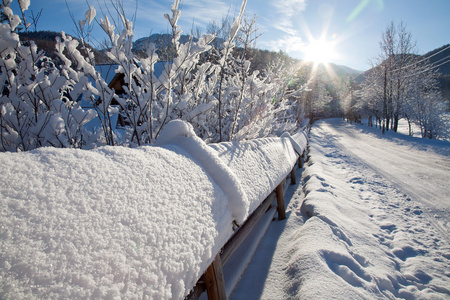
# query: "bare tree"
35,19
401,84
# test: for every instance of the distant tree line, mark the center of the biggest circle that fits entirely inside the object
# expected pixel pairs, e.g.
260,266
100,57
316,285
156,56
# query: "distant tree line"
400,84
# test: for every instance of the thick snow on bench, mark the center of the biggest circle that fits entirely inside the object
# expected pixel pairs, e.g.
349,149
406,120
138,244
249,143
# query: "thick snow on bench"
299,141
259,164
109,222
117,222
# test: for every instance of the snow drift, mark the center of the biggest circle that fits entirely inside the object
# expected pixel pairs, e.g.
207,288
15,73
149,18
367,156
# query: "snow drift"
116,222
106,223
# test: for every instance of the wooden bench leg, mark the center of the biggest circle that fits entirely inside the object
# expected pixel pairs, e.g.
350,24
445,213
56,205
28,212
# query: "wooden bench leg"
280,202
215,285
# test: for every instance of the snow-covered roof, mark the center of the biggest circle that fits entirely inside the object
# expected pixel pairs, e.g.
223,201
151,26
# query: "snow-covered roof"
120,222
107,71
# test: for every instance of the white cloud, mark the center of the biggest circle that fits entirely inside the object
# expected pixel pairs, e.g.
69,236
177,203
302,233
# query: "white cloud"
287,11
205,11
287,43
290,7
286,26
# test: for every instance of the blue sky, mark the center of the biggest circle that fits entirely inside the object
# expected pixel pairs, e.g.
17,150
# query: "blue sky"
351,28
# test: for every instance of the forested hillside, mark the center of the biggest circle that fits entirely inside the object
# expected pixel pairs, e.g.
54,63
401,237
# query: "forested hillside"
440,58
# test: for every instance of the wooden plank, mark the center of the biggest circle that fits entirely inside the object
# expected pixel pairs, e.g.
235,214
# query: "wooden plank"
240,235
198,289
280,202
299,158
215,285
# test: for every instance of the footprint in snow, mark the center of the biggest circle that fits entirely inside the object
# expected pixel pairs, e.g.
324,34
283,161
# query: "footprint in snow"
406,252
389,227
347,267
324,184
320,178
417,211
356,180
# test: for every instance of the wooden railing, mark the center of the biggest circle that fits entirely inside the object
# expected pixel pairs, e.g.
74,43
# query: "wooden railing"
213,279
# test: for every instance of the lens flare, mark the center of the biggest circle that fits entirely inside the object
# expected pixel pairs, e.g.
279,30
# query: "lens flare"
319,51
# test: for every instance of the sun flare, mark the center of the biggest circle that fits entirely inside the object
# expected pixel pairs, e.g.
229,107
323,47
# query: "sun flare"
319,51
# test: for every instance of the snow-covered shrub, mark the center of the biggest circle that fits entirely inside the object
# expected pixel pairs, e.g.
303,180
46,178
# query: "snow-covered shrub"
220,97
37,106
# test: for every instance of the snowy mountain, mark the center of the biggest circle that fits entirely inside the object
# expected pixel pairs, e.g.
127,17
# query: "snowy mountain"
345,70
338,70
160,40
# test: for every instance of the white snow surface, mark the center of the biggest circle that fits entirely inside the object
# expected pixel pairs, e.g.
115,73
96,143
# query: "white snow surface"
108,223
370,221
181,133
299,140
259,164
117,222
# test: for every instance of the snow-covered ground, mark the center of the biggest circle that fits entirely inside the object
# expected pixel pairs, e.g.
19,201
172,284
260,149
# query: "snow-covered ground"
371,221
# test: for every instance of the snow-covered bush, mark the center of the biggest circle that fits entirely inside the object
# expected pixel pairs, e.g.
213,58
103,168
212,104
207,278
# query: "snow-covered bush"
37,106
220,97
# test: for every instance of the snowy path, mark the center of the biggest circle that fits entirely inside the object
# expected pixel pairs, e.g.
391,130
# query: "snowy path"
423,176
373,223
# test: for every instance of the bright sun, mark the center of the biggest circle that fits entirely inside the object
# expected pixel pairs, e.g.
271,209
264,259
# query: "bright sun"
319,51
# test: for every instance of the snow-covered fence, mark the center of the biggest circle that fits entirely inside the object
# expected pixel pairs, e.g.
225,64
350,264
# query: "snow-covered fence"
122,222
253,169
299,142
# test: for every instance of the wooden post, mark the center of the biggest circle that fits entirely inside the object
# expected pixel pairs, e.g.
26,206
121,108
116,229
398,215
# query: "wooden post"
300,164
293,180
215,285
280,202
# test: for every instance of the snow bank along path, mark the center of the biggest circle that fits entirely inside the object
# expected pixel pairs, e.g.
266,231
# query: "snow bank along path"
116,222
353,233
